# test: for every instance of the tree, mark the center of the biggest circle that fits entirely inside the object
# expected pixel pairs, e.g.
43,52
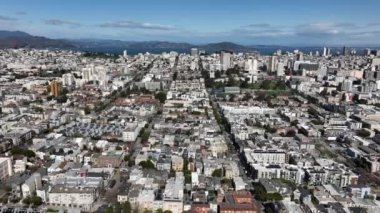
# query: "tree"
87,110
4,200
110,209
291,133
161,96
292,160
294,123
36,200
217,173
274,196
363,133
148,164
306,178
20,151
117,208
39,109
126,158
127,207
168,211
27,200
119,148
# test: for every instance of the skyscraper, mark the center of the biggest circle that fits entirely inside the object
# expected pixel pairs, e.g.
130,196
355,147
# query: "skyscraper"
225,60
347,85
68,79
194,52
272,65
280,69
125,54
346,50
300,56
251,66
324,52
55,88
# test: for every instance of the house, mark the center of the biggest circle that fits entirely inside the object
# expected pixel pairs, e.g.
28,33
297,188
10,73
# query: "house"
239,201
109,159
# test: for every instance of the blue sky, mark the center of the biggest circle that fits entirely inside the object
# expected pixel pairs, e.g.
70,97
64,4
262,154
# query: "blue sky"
282,22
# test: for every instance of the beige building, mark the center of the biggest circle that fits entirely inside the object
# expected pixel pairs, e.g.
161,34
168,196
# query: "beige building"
177,163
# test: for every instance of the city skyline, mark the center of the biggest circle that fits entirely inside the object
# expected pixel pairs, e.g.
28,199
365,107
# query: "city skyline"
245,22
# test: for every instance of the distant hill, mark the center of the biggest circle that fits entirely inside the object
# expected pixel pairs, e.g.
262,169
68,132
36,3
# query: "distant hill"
118,46
4,34
227,46
18,39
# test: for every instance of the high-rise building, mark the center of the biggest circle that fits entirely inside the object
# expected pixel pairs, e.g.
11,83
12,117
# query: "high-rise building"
324,52
280,69
225,60
272,65
254,67
251,66
68,79
346,50
300,56
5,168
55,88
194,52
347,85
125,53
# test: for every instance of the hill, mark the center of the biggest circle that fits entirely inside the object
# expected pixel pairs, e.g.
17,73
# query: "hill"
18,39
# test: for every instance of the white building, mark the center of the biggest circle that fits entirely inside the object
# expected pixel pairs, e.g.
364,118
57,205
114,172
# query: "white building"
225,60
5,168
266,156
20,165
194,179
31,185
79,197
173,194
280,69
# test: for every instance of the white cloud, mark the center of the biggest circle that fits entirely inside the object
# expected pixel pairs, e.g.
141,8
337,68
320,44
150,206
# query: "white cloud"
137,25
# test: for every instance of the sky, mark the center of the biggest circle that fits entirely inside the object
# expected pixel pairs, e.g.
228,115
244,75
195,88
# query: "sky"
254,22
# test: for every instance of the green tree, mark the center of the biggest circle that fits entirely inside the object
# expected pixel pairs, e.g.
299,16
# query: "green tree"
148,164
127,207
294,123
117,208
20,151
26,200
274,196
363,133
217,173
110,209
161,96
87,110
36,200
127,158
